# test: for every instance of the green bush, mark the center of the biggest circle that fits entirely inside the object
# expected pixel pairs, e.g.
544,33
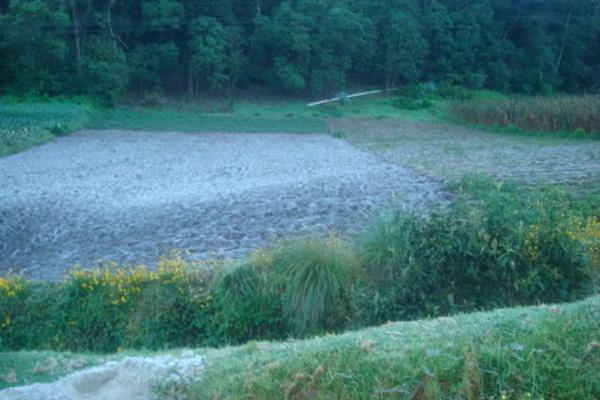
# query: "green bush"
297,288
27,313
492,247
248,304
454,92
109,308
413,97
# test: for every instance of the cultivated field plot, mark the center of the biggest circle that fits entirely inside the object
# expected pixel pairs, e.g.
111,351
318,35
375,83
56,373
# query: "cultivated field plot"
448,151
133,196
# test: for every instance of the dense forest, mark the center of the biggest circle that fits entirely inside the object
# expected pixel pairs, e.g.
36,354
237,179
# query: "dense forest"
117,47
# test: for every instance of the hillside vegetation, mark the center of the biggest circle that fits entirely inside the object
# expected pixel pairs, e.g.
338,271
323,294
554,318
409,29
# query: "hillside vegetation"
186,48
544,352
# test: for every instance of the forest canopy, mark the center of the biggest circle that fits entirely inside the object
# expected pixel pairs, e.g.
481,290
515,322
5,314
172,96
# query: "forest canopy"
111,48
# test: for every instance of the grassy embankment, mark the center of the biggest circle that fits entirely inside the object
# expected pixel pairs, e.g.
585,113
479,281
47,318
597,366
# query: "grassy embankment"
544,352
520,353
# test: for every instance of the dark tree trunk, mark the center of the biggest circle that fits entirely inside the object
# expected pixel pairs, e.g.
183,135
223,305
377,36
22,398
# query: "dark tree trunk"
77,33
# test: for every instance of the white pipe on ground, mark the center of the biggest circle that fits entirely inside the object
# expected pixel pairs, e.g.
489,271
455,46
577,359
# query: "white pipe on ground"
316,103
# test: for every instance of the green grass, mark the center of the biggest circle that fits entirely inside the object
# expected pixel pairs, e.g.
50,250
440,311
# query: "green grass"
256,116
29,123
194,120
22,368
542,352
545,352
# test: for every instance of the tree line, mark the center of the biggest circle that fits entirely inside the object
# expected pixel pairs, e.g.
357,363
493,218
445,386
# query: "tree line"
110,48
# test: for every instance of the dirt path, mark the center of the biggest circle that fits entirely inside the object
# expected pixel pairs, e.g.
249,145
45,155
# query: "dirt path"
132,378
133,196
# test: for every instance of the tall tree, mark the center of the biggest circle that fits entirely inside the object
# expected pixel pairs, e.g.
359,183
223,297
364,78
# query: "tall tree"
34,40
208,41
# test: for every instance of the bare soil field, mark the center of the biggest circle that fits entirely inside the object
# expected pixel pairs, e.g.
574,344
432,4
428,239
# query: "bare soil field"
131,197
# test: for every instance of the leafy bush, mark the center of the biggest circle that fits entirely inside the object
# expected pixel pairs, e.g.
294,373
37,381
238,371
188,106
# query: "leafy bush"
248,304
498,248
414,97
108,308
454,92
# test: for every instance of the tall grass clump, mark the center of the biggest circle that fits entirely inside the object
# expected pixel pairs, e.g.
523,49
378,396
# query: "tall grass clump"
319,274
493,247
568,114
297,288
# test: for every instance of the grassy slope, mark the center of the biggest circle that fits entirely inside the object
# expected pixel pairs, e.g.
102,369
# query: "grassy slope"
547,352
27,124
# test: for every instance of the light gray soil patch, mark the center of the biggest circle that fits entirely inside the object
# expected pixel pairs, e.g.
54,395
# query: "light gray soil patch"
131,197
447,151
132,378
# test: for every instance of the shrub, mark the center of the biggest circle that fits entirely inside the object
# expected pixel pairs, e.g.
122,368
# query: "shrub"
174,308
248,303
111,307
413,97
454,92
492,248
108,308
